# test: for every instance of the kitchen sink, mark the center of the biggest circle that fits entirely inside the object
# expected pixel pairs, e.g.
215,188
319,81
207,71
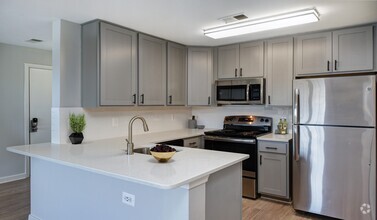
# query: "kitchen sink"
144,150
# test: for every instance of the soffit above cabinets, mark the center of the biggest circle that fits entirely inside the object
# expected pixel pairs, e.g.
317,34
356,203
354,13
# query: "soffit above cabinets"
180,21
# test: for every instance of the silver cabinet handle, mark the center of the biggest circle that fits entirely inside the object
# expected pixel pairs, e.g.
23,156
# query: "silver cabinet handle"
240,71
260,159
209,100
296,141
192,143
272,148
235,72
134,96
170,99
269,100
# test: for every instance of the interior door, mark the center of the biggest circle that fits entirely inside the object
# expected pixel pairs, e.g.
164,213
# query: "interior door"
40,98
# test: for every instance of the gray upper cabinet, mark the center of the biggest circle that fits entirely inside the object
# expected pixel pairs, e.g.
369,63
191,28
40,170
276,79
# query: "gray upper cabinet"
152,71
199,76
228,61
251,59
313,53
279,62
353,49
344,50
241,60
176,88
109,65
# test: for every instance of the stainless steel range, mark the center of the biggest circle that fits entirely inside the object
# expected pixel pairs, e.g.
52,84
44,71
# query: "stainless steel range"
240,136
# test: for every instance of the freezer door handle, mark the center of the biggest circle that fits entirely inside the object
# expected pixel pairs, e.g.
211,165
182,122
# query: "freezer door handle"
296,141
296,107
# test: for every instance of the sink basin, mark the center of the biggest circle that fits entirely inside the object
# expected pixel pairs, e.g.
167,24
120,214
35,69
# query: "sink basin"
144,150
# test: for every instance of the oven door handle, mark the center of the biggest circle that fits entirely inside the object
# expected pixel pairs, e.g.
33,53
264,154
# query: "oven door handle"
228,139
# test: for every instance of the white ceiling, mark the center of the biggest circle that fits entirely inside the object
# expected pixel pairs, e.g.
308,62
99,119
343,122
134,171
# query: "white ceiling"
181,21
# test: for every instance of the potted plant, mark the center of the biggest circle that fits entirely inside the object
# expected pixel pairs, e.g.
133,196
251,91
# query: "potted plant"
77,124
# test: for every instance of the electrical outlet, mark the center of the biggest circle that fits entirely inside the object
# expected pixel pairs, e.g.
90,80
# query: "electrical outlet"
128,199
115,122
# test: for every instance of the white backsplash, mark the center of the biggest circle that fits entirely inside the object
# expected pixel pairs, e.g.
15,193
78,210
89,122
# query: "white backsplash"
106,123
213,117
113,122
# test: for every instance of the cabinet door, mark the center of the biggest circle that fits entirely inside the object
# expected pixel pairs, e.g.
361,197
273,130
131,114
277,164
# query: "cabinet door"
195,142
118,61
152,71
313,53
279,71
272,174
251,59
199,76
228,61
353,49
177,56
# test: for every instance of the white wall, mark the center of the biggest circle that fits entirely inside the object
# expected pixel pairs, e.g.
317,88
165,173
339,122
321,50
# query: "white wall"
213,117
12,73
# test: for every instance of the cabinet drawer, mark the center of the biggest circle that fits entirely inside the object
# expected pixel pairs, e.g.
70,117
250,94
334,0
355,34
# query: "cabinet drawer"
194,142
273,147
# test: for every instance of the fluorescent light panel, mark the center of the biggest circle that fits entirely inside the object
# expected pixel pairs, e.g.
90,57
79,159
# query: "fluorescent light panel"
263,24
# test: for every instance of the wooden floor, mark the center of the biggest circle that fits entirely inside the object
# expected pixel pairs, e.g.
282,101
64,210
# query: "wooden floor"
15,200
263,209
15,205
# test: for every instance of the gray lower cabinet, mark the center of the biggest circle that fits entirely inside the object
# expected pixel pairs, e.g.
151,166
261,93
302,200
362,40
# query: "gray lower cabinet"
199,76
194,142
109,65
152,71
273,169
176,87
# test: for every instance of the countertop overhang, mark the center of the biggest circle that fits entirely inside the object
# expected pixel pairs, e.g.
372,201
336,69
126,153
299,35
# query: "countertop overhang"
108,157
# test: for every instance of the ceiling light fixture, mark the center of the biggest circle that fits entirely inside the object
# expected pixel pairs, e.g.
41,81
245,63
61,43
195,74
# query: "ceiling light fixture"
263,24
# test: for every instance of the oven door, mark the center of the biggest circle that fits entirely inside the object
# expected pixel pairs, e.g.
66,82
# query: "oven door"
249,166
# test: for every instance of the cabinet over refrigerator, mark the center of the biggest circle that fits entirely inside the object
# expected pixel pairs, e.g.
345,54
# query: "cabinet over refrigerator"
334,135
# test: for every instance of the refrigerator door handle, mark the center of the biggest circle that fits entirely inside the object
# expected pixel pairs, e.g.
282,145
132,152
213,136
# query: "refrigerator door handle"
296,107
296,141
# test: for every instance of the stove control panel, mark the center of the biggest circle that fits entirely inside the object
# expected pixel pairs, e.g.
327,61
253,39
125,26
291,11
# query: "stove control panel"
249,120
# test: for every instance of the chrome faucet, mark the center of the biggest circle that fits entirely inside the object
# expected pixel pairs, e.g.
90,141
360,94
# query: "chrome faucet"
130,144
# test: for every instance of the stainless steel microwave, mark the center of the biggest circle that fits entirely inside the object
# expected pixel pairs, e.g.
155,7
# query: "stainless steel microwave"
240,91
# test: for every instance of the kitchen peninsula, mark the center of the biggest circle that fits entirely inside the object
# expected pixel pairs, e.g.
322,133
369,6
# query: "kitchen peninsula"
97,180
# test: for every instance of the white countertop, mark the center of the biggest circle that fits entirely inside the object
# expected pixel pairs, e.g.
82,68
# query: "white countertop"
108,157
275,137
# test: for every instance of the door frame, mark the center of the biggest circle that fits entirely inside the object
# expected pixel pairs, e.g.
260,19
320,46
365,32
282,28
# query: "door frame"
27,68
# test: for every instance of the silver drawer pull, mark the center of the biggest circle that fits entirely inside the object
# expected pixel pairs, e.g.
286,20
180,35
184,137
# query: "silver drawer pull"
192,143
272,148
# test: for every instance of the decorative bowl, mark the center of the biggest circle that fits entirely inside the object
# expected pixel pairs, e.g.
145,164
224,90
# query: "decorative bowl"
162,156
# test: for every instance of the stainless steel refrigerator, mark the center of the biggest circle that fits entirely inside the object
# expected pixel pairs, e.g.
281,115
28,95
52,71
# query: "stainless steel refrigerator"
334,135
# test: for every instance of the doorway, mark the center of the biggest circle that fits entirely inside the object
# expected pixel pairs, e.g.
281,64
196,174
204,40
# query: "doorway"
38,101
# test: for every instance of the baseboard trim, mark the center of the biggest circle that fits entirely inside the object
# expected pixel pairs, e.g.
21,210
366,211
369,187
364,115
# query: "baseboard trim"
11,178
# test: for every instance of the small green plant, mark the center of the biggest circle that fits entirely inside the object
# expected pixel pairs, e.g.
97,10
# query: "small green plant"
77,122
